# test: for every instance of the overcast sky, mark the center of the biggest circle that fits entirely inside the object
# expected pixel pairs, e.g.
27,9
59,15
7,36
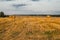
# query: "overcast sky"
30,6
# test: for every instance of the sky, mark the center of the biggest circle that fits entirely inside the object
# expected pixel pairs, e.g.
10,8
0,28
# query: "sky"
10,7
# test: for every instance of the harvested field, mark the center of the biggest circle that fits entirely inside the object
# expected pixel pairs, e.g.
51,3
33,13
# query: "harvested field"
30,28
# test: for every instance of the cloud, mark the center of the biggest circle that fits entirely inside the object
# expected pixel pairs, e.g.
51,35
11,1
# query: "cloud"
35,0
18,5
30,7
6,0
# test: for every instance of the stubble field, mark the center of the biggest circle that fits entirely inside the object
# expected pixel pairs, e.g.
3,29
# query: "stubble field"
30,28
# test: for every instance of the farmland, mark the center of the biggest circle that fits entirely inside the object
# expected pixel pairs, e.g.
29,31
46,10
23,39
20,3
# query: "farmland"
30,28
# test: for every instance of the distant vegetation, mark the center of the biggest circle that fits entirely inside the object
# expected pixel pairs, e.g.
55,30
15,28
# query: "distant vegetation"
3,15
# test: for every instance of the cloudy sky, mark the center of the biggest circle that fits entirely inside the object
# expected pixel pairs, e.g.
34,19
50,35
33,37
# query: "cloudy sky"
30,6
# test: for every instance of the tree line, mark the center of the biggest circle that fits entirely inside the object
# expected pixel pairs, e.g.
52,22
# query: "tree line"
3,15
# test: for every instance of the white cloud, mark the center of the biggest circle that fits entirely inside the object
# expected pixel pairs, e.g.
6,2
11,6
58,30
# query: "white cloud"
37,7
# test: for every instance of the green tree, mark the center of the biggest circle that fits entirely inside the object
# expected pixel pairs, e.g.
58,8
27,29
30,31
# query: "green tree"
1,14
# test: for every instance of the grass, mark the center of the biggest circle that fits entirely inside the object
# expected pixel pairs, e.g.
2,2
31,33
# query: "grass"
14,34
29,28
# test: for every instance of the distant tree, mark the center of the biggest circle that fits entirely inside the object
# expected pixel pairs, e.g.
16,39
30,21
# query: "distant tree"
1,14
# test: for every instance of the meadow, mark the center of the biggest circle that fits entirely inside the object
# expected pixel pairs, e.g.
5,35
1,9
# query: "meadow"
30,28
